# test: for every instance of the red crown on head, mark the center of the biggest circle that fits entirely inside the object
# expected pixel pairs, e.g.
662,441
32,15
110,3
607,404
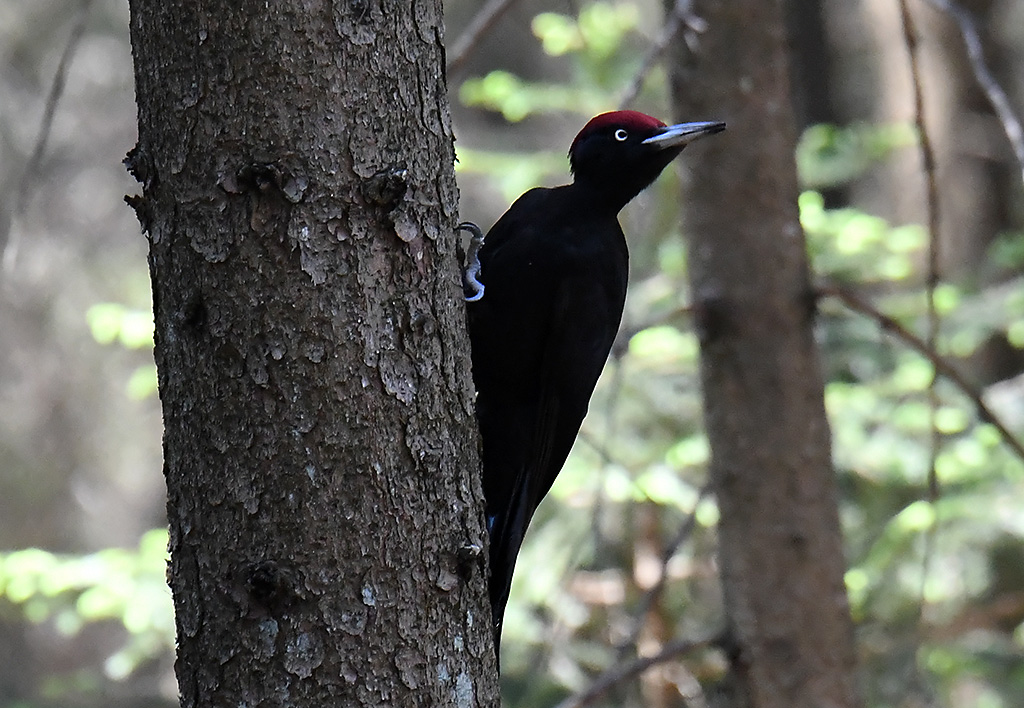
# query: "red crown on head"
631,120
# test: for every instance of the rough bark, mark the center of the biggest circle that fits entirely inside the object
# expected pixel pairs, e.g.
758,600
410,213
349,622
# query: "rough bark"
781,550
320,450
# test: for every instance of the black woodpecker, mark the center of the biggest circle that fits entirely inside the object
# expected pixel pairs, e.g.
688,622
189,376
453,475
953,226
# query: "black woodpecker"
546,289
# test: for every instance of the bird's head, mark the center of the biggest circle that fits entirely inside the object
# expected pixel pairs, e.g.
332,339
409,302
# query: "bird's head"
624,151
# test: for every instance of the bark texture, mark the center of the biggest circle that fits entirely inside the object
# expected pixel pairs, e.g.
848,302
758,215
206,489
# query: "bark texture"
320,451
781,547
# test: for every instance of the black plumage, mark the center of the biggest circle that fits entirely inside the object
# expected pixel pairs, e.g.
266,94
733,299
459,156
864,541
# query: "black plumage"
553,271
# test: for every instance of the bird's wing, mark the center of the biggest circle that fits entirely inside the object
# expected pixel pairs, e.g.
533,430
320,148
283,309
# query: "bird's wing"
585,313
541,334
527,444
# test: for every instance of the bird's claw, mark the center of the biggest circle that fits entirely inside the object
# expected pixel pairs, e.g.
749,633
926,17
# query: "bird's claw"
472,288
467,557
470,551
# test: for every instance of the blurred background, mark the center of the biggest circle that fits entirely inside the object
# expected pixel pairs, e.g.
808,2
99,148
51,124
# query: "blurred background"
937,589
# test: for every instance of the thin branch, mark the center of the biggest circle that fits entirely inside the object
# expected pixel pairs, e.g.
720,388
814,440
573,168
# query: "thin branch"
682,535
8,243
682,17
477,29
993,91
653,592
942,365
623,673
932,277
933,323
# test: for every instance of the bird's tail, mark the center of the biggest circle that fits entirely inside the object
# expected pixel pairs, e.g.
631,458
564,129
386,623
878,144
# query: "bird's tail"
507,531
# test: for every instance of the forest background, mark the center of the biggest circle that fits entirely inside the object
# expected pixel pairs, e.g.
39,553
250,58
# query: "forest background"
933,523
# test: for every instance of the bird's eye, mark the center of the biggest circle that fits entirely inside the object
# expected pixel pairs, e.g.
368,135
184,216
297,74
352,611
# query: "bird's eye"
621,135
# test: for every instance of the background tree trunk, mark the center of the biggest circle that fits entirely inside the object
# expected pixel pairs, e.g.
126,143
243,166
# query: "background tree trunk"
781,549
320,453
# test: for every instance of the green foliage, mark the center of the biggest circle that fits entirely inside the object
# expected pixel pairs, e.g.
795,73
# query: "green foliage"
831,155
849,245
517,99
112,323
1007,251
597,33
120,585
596,48
643,446
593,40
878,404
511,173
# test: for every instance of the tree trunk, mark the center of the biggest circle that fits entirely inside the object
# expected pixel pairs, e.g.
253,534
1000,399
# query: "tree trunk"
781,549
320,449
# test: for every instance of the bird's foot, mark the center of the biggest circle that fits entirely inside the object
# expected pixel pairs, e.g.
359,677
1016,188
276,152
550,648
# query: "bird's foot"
472,288
470,551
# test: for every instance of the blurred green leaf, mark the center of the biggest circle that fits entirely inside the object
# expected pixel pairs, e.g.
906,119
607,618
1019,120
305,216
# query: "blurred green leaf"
850,245
124,585
707,513
517,99
830,155
599,30
663,344
559,34
916,517
1007,250
110,322
514,173
604,26
689,452
105,321
142,383
662,485
1015,333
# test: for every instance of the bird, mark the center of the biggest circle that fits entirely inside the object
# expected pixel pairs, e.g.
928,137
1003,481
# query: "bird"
545,289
